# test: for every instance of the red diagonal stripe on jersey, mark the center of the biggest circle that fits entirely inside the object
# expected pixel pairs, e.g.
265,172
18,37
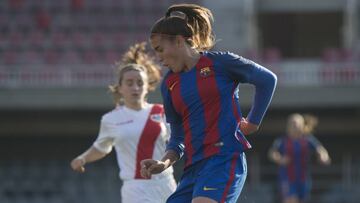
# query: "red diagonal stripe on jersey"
149,135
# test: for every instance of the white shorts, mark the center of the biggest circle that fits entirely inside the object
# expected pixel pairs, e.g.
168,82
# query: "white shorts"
148,191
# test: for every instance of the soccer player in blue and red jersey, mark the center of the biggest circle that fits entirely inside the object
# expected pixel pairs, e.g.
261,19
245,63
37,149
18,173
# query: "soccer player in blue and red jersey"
292,153
202,107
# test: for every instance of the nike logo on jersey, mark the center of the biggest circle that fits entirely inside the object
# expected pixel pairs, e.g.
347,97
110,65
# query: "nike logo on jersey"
173,85
209,188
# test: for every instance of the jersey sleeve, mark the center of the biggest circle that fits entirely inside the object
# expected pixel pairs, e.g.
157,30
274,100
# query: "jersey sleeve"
176,141
276,144
314,142
105,140
242,70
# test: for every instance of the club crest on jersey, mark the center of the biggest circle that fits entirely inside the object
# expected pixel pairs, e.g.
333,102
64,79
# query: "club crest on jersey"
204,72
156,117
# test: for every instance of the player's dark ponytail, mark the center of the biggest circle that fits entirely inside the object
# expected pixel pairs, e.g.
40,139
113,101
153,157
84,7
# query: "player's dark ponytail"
189,20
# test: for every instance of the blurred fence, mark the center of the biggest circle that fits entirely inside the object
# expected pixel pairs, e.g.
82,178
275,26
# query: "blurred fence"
58,76
304,73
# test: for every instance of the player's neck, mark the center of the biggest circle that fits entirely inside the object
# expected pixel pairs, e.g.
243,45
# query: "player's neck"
137,106
191,59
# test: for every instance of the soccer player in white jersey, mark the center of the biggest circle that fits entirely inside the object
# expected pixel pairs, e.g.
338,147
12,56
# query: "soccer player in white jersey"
136,129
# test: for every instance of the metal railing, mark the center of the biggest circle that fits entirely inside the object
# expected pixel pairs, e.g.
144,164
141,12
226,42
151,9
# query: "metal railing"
304,73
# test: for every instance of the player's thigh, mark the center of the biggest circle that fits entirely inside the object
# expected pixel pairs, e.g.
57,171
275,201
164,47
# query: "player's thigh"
292,199
164,188
304,190
184,190
146,191
203,200
130,193
222,178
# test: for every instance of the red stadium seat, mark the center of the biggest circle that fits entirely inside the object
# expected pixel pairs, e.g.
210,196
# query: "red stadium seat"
30,57
51,57
79,40
330,55
111,57
70,57
77,4
16,40
15,4
91,57
59,40
346,55
10,57
36,39
43,20
272,55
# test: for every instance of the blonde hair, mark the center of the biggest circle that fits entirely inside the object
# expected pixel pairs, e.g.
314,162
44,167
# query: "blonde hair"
191,21
136,59
311,122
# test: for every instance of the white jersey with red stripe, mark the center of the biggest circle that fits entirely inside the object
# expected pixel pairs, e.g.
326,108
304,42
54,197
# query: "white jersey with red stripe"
136,135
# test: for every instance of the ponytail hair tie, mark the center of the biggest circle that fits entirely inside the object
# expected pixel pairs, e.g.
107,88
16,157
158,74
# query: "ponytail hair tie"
178,14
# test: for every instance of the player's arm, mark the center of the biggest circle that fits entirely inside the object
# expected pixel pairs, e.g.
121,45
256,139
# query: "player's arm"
101,147
323,155
174,151
275,155
90,155
151,166
245,71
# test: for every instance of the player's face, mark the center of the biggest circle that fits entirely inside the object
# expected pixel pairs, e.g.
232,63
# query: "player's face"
134,87
168,51
295,126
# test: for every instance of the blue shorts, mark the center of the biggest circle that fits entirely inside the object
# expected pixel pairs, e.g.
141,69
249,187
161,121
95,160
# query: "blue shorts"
220,177
301,190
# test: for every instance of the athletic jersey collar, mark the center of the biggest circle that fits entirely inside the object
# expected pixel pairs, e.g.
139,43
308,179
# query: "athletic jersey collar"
203,62
133,111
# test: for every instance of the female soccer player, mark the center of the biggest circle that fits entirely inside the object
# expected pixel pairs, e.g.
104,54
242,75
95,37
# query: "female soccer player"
202,107
292,154
136,129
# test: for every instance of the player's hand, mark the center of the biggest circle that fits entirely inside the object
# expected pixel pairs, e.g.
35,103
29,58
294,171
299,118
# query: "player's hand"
284,160
324,159
78,164
150,166
247,128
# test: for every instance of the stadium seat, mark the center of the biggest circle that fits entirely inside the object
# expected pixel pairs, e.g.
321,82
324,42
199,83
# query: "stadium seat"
330,55
51,56
271,55
71,57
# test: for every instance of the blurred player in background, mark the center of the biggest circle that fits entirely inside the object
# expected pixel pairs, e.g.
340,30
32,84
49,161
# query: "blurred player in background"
201,104
136,129
292,153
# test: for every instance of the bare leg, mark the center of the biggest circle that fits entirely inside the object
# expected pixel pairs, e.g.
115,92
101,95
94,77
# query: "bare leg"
203,200
291,200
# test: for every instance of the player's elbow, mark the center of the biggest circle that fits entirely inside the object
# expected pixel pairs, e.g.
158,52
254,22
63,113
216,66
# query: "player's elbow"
272,79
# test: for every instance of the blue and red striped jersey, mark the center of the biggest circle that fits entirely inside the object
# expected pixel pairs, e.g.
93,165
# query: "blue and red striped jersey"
298,152
202,105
